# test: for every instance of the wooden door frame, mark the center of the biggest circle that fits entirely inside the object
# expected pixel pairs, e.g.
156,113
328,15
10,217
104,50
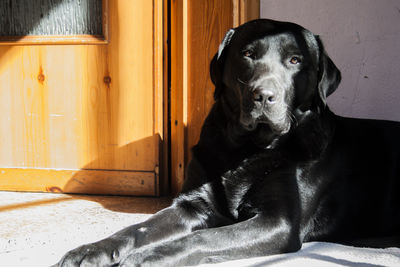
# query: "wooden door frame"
184,126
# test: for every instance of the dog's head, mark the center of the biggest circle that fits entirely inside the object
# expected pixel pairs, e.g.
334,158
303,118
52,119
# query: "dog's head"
268,72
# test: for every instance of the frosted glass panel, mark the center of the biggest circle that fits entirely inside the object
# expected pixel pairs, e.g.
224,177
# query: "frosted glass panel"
50,17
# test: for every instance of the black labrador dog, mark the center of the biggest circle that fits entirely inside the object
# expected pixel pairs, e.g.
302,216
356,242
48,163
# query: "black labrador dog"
274,167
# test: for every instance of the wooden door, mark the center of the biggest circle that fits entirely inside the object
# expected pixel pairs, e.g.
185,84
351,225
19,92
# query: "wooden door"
85,118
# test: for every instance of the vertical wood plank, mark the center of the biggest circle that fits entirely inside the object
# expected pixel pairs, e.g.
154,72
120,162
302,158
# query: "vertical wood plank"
177,100
196,30
165,157
208,21
192,50
159,50
249,10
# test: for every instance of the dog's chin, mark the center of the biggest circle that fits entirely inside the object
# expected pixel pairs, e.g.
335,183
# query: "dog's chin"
266,137
281,129
277,129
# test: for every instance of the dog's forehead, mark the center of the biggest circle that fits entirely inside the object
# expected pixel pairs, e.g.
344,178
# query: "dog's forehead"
279,41
282,34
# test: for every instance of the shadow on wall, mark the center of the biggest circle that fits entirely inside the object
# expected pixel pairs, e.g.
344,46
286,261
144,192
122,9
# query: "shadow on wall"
93,178
107,186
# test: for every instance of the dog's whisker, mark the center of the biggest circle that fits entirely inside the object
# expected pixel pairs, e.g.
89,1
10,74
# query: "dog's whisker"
292,118
239,80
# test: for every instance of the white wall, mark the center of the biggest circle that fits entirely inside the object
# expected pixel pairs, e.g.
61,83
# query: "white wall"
363,39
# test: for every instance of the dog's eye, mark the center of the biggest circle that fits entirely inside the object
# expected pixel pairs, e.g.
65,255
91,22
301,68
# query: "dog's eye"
295,60
248,53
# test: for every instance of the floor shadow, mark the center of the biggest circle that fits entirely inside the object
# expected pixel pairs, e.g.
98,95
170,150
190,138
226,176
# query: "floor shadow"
145,205
312,252
313,256
35,203
122,204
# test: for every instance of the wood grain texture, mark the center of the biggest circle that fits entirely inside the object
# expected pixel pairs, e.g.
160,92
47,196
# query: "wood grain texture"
86,106
79,181
177,96
164,179
208,21
249,10
160,79
197,28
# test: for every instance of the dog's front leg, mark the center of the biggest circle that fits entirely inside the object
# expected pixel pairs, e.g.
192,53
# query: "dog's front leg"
257,236
172,222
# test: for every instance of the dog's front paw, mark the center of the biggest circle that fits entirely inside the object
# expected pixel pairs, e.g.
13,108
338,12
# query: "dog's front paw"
103,253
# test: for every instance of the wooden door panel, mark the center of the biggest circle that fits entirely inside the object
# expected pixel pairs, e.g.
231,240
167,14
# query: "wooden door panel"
82,118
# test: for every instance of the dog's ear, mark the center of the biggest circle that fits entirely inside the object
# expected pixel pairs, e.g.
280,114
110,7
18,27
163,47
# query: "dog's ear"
329,75
217,63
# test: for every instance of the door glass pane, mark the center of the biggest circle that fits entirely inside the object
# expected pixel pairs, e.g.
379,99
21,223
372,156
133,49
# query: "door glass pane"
50,17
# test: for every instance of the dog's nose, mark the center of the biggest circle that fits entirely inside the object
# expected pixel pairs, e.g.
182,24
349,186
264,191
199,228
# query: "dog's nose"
264,95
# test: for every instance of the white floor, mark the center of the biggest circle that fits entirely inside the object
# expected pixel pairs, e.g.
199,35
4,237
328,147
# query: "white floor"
37,229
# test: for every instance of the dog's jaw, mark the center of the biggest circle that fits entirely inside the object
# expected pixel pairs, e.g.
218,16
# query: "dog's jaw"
249,123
